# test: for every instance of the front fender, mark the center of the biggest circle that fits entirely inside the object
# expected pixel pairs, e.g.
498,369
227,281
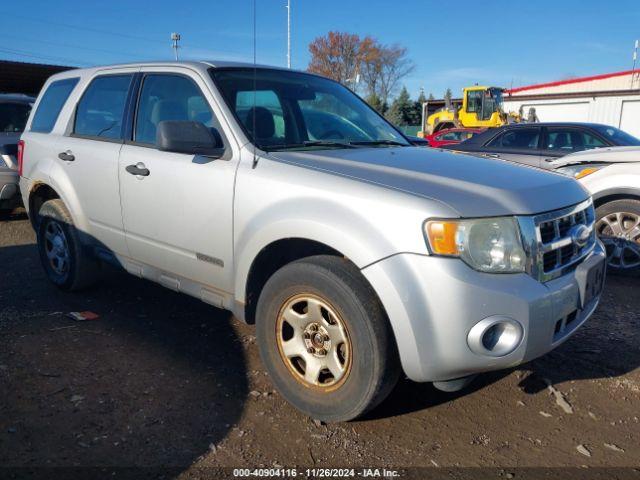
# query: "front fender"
351,234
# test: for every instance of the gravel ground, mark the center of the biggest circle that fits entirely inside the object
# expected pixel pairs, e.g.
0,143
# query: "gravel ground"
163,380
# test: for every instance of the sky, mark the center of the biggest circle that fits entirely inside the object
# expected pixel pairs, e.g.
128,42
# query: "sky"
452,44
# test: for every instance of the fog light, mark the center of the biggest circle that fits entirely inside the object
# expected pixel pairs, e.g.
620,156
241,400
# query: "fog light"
495,336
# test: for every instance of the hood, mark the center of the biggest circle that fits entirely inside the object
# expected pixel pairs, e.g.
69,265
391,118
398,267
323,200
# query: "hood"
600,155
472,186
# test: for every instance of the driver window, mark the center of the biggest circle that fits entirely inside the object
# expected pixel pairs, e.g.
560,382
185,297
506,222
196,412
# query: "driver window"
169,97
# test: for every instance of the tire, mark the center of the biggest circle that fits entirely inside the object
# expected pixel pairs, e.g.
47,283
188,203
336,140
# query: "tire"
617,226
65,261
355,336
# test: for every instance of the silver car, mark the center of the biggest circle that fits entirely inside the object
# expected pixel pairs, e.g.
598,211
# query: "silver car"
284,198
14,112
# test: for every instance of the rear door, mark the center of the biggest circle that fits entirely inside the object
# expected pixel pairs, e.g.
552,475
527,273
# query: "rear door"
88,156
178,218
520,144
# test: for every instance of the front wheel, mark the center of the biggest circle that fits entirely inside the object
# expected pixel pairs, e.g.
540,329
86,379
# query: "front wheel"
618,226
325,340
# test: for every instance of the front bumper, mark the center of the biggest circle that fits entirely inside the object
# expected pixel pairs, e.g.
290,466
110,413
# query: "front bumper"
9,188
433,303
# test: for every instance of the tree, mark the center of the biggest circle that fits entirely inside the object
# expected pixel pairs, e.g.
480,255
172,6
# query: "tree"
431,97
401,111
345,57
374,101
447,98
395,65
416,113
338,55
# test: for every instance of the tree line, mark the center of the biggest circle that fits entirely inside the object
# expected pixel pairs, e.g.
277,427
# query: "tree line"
372,69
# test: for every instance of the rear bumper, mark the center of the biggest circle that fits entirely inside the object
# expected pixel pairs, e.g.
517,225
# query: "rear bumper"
433,303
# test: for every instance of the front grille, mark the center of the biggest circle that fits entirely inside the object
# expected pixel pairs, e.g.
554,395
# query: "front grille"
557,246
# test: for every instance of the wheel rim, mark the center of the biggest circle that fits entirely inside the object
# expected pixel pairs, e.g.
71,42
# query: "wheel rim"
620,234
56,248
313,342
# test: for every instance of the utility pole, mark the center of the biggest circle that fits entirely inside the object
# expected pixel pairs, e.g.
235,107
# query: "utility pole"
175,37
635,58
288,33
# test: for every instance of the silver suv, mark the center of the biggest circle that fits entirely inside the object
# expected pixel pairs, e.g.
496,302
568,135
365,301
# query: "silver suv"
283,197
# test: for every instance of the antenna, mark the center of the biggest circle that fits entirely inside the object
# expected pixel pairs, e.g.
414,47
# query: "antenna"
255,73
288,7
175,38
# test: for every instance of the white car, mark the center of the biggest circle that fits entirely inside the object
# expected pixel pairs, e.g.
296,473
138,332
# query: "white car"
612,175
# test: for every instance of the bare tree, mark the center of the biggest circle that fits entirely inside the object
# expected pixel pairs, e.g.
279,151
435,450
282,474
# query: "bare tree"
395,65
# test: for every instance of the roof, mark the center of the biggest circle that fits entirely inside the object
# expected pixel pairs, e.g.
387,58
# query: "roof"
16,97
28,78
571,81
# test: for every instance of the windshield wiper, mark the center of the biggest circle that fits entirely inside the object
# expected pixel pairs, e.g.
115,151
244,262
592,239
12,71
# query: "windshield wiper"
380,142
309,143
327,143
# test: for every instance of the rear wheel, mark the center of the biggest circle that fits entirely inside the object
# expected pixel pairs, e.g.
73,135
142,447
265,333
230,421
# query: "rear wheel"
63,257
325,339
618,226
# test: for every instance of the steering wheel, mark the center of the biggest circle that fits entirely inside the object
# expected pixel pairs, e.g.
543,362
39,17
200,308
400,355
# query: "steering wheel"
331,134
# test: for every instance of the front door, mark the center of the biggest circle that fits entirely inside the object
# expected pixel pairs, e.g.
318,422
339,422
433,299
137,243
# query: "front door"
178,217
517,144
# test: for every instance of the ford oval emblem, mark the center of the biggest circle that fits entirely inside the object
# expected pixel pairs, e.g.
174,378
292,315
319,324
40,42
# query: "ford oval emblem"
580,235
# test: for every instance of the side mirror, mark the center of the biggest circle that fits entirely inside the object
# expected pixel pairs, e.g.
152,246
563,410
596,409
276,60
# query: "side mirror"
189,137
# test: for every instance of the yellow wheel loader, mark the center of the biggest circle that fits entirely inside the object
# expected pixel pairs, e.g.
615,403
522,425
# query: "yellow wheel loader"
481,108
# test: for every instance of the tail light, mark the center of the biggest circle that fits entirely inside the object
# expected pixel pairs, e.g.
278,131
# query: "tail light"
20,156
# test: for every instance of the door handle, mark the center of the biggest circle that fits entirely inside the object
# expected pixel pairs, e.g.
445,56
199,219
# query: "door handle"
492,155
549,159
138,169
66,156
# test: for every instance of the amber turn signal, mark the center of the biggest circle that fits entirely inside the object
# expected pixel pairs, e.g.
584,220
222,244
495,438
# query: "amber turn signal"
442,237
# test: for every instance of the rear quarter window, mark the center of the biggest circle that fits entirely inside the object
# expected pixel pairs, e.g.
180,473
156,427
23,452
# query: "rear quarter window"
51,104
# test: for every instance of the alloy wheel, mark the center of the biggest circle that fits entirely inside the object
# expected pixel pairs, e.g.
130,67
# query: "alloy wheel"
620,234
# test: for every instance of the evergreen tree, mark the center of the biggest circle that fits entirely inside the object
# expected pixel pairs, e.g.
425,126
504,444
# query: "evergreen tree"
376,103
401,109
447,98
431,97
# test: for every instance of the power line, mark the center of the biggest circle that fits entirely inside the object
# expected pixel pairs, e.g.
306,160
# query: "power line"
26,53
89,29
68,45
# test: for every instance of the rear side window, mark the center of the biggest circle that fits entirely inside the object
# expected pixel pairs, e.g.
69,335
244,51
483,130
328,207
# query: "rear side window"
100,112
571,140
51,103
517,139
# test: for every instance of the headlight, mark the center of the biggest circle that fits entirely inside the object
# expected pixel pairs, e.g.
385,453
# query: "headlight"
485,244
581,171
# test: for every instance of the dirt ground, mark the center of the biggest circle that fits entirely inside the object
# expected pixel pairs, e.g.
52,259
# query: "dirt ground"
163,380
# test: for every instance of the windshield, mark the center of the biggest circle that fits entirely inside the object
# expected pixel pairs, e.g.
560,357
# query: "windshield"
13,116
617,136
293,110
